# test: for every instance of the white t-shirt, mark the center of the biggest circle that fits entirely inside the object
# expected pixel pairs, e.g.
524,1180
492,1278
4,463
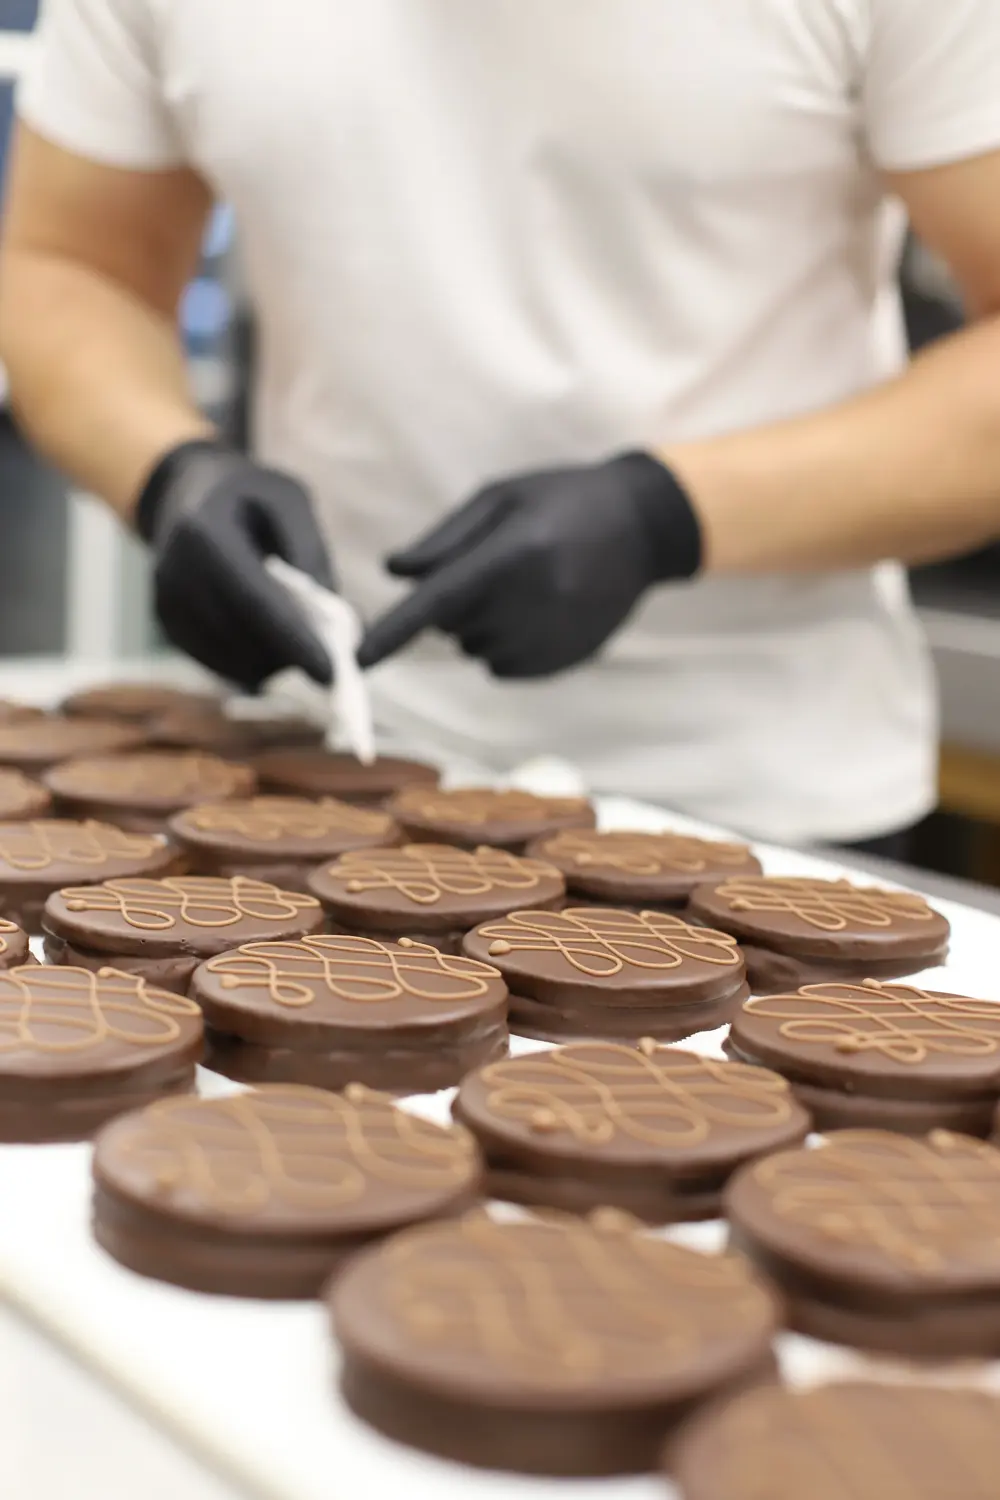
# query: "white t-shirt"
488,236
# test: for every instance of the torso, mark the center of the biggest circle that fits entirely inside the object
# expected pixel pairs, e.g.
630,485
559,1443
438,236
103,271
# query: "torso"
488,238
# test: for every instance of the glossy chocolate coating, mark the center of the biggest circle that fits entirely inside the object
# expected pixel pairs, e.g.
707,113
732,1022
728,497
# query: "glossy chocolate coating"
799,931
601,971
549,1347
318,773
879,1240
40,857
36,744
473,816
332,1010
626,868
264,1193
78,1047
846,1441
140,792
887,1056
655,1131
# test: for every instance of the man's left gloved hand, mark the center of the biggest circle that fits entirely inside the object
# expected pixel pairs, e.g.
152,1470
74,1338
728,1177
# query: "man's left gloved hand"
535,573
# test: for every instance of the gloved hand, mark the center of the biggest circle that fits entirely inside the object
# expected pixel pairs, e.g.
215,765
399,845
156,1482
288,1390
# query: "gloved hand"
533,574
211,517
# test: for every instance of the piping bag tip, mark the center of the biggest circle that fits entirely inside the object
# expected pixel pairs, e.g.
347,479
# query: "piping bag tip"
351,724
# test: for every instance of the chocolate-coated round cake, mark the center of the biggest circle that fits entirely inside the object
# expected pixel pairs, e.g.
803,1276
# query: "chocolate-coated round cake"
20,798
14,948
140,792
313,772
653,870
78,1047
653,1130
880,1241
849,1441
556,1346
880,1056
329,1011
39,858
603,971
281,839
431,892
473,816
35,744
264,1193
213,730
136,702
162,929
796,931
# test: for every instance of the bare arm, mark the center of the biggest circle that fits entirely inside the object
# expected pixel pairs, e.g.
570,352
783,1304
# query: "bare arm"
93,260
909,470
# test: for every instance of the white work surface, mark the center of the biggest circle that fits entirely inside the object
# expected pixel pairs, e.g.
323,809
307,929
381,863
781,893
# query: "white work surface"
250,1386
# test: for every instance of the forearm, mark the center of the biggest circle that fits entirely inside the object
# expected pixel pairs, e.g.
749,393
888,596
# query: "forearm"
97,377
909,470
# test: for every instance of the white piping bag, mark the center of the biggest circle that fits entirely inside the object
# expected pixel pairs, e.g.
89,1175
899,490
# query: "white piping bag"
351,726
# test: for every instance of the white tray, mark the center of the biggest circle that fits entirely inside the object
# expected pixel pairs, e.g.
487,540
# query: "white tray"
251,1385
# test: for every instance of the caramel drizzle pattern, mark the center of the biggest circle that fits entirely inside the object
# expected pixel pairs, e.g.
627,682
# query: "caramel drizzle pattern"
37,846
664,1098
923,1205
86,1009
423,873
296,1147
644,853
356,969
200,901
8,928
564,1302
478,806
831,1444
830,905
170,774
903,1023
270,818
603,943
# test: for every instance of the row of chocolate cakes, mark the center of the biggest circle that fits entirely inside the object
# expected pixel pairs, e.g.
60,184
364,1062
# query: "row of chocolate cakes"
305,939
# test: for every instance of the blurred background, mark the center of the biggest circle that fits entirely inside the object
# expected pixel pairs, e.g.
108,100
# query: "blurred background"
72,584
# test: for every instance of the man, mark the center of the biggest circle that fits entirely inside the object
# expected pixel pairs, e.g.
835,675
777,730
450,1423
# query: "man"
584,310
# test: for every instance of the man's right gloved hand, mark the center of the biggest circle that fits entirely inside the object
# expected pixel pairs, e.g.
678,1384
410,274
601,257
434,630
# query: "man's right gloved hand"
212,517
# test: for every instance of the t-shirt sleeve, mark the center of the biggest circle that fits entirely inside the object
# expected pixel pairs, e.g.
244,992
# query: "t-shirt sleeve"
932,81
93,84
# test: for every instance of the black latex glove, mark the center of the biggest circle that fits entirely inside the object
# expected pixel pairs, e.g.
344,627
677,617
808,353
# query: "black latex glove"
535,573
211,517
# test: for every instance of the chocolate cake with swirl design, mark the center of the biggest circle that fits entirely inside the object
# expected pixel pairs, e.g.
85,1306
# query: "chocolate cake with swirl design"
603,971
314,772
433,893
163,929
797,930
281,839
624,867
880,1056
39,857
556,1346
263,1194
78,1046
334,1010
473,816
140,792
879,1240
656,1131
